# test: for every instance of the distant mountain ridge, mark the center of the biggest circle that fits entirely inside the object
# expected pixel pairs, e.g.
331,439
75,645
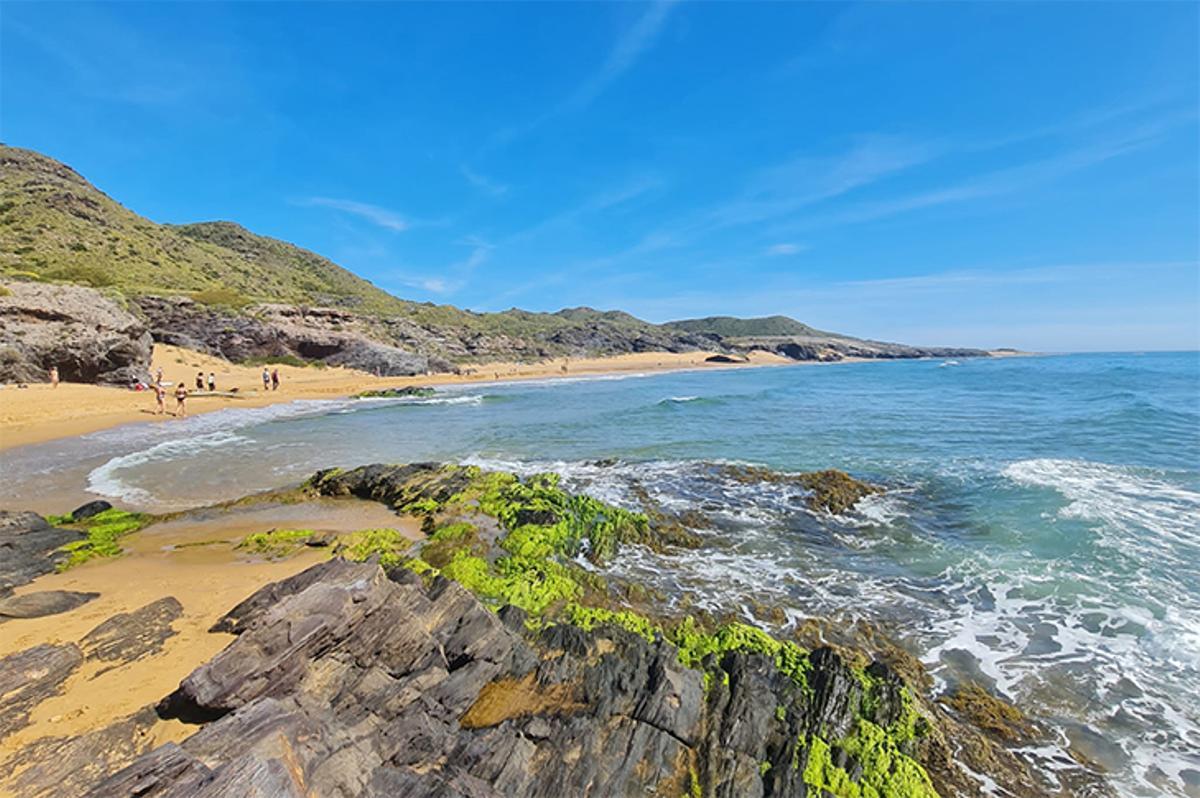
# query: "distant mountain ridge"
224,289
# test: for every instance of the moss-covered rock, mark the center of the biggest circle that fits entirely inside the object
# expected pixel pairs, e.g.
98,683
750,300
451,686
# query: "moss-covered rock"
276,544
406,392
990,713
103,531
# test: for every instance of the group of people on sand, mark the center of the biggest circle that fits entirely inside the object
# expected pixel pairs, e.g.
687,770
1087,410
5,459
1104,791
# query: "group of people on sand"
181,394
270,378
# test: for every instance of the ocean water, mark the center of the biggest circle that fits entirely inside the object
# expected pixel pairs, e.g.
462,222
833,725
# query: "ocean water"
1040,533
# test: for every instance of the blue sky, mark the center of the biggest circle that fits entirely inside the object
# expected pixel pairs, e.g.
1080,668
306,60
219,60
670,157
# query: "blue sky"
943,173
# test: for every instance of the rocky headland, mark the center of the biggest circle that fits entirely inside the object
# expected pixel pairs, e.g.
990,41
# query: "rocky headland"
217,288
494,657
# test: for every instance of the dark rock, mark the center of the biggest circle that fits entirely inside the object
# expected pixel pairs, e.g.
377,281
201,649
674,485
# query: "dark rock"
344,682
236,620
86,335
56,766
42,603
90,509
29,548
726,359
130,636
31,676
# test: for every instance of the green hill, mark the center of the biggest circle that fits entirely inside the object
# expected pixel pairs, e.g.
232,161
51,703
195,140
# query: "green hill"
731,327
57,227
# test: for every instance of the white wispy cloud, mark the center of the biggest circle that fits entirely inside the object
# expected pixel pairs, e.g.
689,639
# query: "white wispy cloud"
996,183
776,250
455,277
374,214
625,53
482,182
629,47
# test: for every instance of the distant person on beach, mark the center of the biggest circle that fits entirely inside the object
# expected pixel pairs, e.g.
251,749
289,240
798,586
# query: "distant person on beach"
266,379
274,379
158,376
160,396
54,376
199,380
181,394
212,381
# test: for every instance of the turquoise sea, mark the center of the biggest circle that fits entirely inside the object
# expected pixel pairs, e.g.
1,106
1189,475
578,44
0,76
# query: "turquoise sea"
1040,533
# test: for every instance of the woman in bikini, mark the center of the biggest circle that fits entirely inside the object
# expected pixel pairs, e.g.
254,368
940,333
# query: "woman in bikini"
181,394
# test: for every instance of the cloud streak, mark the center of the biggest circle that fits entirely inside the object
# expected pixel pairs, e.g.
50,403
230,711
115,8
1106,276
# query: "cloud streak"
625,53
482,182
376,215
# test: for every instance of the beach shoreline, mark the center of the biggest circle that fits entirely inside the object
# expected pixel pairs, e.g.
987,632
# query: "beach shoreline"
40,413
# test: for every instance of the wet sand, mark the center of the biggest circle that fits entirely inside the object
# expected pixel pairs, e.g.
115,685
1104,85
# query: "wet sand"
40,413
192,558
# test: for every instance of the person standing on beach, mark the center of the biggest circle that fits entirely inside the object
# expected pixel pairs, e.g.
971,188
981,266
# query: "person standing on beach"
54,376
212,382
181,394
266,379
199,380
158,376
274,379
160,396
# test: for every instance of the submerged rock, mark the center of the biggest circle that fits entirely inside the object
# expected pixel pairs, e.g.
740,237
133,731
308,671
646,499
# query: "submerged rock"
830,490
406,392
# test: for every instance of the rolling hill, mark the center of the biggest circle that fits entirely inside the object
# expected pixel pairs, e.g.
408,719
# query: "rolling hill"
220,287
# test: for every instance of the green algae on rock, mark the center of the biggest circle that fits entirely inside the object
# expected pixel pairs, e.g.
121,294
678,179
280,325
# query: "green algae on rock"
830,490
406,392
276,544
103,530
530,562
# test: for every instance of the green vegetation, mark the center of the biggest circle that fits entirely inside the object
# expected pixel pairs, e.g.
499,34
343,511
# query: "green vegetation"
222,297
730,327
103,531
886,771
276,543
389,545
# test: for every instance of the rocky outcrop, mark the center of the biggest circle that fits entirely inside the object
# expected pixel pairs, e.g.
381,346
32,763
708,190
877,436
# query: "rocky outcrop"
85,334
53,767
29,547
832,348
329,335
351,682
42,603
29,677
129,636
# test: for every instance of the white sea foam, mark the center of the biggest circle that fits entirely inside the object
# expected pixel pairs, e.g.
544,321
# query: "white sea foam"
1122,499
678,400
105,480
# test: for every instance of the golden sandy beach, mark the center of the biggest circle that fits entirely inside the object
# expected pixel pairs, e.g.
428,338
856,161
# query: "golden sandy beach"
41,413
